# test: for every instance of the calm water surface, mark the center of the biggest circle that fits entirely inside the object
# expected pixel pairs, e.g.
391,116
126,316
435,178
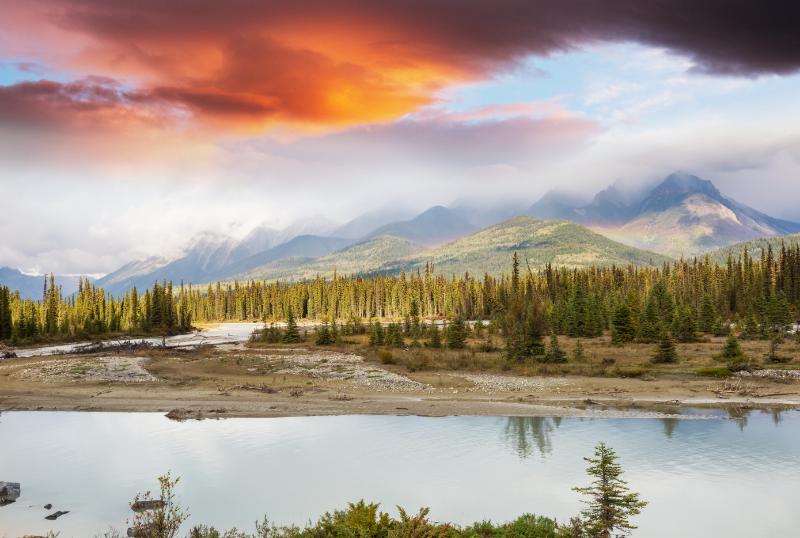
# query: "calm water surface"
702,477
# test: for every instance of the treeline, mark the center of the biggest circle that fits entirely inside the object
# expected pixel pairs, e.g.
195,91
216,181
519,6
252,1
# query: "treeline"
92,312
758,293
685,297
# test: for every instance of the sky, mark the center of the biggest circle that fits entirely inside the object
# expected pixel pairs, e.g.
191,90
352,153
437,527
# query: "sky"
127,128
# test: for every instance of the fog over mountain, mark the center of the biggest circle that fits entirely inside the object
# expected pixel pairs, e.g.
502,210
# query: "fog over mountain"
679,215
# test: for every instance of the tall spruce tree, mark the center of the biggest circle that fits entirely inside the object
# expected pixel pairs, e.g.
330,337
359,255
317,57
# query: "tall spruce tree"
611,504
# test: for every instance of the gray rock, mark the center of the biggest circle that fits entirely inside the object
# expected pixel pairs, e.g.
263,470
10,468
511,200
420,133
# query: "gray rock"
9,492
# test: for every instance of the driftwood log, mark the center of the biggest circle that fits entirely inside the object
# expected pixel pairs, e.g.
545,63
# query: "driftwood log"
142,531
141,506
9,492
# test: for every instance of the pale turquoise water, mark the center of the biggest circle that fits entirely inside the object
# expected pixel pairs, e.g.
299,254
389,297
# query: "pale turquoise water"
702,477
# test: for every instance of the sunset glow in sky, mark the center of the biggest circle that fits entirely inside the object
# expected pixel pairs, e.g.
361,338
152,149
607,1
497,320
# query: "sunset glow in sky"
127,127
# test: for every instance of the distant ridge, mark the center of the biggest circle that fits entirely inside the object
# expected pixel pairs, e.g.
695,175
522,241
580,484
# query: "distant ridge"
755,247
489,250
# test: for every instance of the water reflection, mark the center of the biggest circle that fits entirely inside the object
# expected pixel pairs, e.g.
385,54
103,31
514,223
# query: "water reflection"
740,415
670,423
526,433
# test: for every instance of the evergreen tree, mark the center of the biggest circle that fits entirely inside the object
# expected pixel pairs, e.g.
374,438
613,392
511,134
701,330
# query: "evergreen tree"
732,353
651,326
578,354
708,315
394,336
324,336
611,504
292,334
732,350
435,337
376,333
457,334
524,336
772,355
6,325
683,325
779,314
751,329
554,352
665,351
622,326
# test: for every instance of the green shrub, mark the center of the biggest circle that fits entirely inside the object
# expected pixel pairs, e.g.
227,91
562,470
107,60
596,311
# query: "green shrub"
714,371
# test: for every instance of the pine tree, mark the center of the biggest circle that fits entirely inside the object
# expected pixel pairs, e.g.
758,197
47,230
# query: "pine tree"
291,335
324,336
394,336
611,504
622,326
375,333
779,314
457,334
708,315
554,352
683,325
578,354
435,338
732,353
772,355
751,329
732,350
650,327
665,351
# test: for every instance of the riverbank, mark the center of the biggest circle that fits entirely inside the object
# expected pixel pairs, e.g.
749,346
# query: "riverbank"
236,380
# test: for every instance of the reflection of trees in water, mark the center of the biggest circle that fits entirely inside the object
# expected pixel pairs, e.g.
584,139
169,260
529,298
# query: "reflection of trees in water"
669,425
526,433
740,415
776,413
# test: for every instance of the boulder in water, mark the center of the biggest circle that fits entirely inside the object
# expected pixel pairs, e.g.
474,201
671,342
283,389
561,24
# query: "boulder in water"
9,492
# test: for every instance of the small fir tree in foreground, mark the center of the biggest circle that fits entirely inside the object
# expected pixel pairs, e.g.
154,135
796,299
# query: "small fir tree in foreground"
665,351
611,504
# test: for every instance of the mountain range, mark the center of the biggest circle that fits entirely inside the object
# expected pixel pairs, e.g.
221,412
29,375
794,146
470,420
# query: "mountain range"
683,215
32,286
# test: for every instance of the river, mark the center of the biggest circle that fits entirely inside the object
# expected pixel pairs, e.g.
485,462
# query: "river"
716,477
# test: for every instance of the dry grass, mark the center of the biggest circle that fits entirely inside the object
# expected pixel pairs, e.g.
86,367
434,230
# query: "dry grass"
601,358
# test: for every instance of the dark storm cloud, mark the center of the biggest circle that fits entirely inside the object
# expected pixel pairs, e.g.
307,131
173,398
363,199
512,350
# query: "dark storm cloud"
350,62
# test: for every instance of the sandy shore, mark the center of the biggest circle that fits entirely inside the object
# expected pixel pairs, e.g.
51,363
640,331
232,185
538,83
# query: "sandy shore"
240,382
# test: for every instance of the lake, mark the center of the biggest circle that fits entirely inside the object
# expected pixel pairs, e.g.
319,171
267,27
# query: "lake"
723,477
